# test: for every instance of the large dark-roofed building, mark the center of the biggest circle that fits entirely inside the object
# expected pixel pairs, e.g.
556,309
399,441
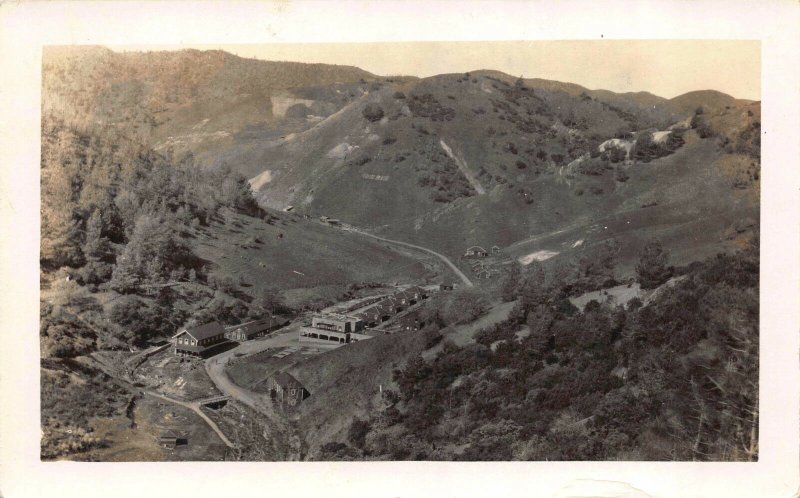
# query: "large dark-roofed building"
196,341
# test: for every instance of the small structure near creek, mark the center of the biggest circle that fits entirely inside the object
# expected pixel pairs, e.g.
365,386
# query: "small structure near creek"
287,390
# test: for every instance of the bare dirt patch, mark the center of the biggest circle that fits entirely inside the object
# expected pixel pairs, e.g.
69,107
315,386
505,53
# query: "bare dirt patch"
153,417
542,255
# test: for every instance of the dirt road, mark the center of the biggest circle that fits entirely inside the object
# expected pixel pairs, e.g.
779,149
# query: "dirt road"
442,257
195,407
215,367
262,403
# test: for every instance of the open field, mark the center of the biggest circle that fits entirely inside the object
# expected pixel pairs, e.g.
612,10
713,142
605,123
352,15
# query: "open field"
305,260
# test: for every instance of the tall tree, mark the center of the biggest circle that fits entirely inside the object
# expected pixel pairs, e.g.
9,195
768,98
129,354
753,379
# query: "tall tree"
533,290
150,255
511,284
97,251
652,268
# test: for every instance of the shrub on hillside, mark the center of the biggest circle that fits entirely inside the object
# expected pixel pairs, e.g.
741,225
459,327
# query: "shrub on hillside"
427,106
644,148
358,431
298,111
337,451
360,161
372,112
616,154
701,126
591,168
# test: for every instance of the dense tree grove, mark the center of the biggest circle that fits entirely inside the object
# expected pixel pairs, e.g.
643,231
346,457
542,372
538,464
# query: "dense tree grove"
672,379
116,217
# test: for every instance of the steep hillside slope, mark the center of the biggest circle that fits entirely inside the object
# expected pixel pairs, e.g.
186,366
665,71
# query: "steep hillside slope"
457,160
303,261
708,99
345,384
188,99
449,161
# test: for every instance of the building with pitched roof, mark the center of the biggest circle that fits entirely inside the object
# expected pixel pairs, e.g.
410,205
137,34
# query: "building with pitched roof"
196,341
256,328
287,390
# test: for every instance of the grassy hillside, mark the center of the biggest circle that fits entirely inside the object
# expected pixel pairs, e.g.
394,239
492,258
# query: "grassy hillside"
187,99
708,99
303,260
451,160
534,152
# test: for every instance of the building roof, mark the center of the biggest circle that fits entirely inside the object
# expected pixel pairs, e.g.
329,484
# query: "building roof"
205,331
335,316
169,434
475,249
258,325
284,379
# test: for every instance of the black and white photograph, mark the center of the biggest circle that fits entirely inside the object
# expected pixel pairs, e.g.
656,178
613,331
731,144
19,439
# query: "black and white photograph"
535,250
250,259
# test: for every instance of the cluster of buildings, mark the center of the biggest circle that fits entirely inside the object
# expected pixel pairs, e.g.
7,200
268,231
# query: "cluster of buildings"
199,340
344,328
475,257
479,252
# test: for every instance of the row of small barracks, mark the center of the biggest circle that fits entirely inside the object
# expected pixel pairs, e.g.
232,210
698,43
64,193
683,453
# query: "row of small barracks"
347,328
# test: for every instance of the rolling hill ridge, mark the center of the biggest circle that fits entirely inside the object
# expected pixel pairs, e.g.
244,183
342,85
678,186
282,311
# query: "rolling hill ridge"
451,160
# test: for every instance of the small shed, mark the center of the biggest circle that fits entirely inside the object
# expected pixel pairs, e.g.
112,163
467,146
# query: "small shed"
170,439
476,252
285,389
